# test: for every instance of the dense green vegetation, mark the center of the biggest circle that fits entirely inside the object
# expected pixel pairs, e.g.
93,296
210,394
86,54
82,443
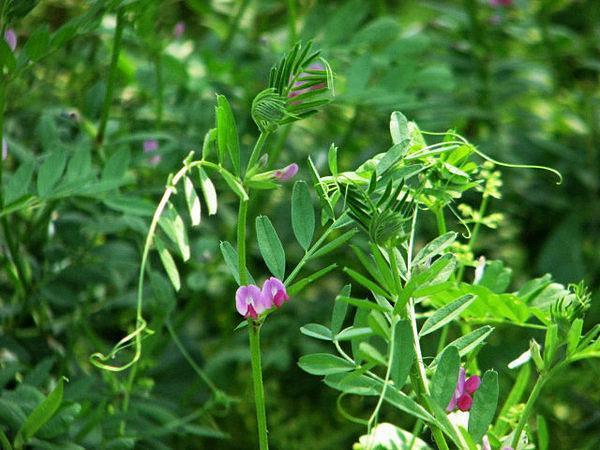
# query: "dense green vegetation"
100,101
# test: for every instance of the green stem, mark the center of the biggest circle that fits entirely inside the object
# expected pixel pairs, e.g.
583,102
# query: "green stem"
13,246
421,382
375,414
201,374
235,23
126,397
260,143
159,88
441,220
253,327
310,252
257,381
539,384
241,241
291,16
416,431
112,75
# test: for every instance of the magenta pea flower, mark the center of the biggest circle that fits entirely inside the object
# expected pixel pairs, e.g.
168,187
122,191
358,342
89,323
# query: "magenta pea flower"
463,394
179,29
497,3
11,38
250,302
274,292
287,172
4,149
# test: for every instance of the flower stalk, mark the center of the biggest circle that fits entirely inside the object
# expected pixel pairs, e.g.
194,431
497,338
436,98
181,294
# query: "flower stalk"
112,75
253,326
537,388
257,383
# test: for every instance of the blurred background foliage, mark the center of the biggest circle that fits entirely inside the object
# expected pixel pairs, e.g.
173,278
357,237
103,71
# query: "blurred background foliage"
519,79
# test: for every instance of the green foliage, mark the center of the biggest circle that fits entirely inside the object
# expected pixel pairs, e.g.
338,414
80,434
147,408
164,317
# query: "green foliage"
484,405
79,213
443,382
40,415
270,246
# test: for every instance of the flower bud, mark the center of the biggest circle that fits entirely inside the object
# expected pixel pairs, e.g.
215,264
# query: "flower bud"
11,38
536,354
287,172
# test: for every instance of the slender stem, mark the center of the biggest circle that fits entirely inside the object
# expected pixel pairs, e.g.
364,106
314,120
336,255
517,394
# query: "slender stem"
310,252
257,381
375,414
241,241
253,326
135,337
292,12
416,431
421,382
201,374
257,149
539,384
159,88
13,246
126,396
235,23
112,74
441,220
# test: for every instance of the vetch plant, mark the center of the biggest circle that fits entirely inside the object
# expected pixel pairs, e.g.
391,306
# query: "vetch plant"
84,85
167,232
409,291
416,292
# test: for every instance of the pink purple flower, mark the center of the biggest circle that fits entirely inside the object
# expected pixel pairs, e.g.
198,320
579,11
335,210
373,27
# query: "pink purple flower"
179,29
463,394
287,172
250,302
11,38
274,292
4,149
496,3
